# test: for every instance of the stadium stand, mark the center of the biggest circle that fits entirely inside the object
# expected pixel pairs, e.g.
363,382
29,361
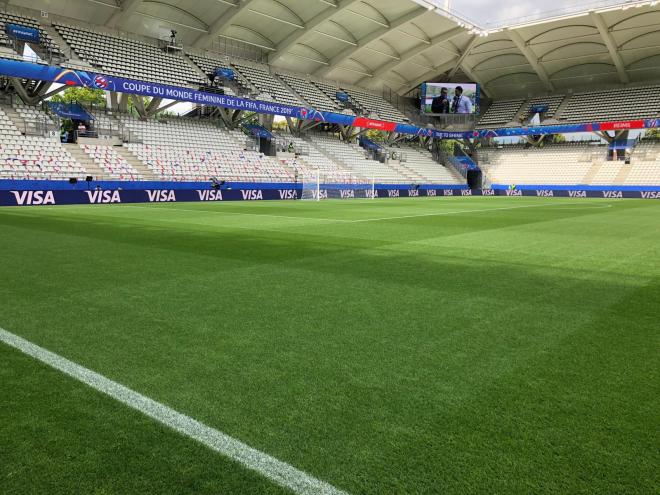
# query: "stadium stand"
188,150
46,40
562,164
553,103
31,113
632,103
30,120
104,124
266,83
311,160
209,64
500,113
329,90
354,159
314,97
618,104
645,164
113,165
421,162
129,58
605,173
33,157
371,103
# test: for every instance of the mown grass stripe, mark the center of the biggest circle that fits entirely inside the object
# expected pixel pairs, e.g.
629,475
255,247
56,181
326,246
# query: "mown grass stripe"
280,472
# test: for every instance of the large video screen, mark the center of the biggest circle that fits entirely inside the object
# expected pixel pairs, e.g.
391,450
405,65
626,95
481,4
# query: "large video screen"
450,98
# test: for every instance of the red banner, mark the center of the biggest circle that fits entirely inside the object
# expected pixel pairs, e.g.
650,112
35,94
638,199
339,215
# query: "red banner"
374,124
617,126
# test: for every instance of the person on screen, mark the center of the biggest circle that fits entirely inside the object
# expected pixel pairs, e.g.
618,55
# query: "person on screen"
460,104
440,103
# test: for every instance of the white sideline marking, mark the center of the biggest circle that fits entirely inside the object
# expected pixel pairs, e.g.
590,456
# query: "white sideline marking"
280,472
481,210
290,217
339,220
435,214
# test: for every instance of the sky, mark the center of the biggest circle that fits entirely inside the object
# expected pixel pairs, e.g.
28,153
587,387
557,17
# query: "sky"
489,11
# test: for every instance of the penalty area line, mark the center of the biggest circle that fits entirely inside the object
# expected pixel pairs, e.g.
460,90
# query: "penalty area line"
275,470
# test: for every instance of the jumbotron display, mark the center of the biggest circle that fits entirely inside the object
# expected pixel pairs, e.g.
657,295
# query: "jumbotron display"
449,98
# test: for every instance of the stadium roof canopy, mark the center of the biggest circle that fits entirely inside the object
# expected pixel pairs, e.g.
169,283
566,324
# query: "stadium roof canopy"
401,43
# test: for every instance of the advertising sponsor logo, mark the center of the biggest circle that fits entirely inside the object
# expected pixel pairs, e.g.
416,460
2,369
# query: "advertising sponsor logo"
514,192
252,194
613,194
413,193
577,194
161,196
209,195
466,192
346,193
26,198
372,194
393,193
103,197
488,192
448,192
650,195
320,194
431,192
288,194
101,82
544,193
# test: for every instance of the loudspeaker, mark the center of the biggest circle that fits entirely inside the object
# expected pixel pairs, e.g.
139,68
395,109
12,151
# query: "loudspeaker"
73,180
89,178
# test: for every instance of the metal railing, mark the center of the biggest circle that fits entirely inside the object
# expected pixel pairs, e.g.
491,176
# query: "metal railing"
39,127
128,135
395,154
238,49
285,146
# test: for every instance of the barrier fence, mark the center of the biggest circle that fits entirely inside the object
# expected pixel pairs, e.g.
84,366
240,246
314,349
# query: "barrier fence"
31,197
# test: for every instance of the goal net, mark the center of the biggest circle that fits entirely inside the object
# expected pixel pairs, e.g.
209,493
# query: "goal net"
317,186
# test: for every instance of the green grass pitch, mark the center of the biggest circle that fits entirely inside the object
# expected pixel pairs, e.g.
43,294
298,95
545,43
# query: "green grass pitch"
409,346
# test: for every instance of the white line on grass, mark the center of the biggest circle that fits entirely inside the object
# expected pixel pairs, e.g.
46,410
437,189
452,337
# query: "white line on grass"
280,472
567,206
290,217
435,214
457,212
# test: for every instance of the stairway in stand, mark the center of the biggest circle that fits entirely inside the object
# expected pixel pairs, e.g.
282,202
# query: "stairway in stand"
145,172
623,174
86,161
18,121
592,172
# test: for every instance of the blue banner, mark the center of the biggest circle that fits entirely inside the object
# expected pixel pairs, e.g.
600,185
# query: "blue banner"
342,96
70,111
564,128
225,73
539,109
368,144
622,144
70,77
259,131
116,196
23,33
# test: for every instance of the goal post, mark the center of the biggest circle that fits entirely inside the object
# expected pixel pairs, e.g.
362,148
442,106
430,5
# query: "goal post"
317,186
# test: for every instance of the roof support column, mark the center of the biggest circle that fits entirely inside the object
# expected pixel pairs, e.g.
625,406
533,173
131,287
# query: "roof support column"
611,46
531,58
